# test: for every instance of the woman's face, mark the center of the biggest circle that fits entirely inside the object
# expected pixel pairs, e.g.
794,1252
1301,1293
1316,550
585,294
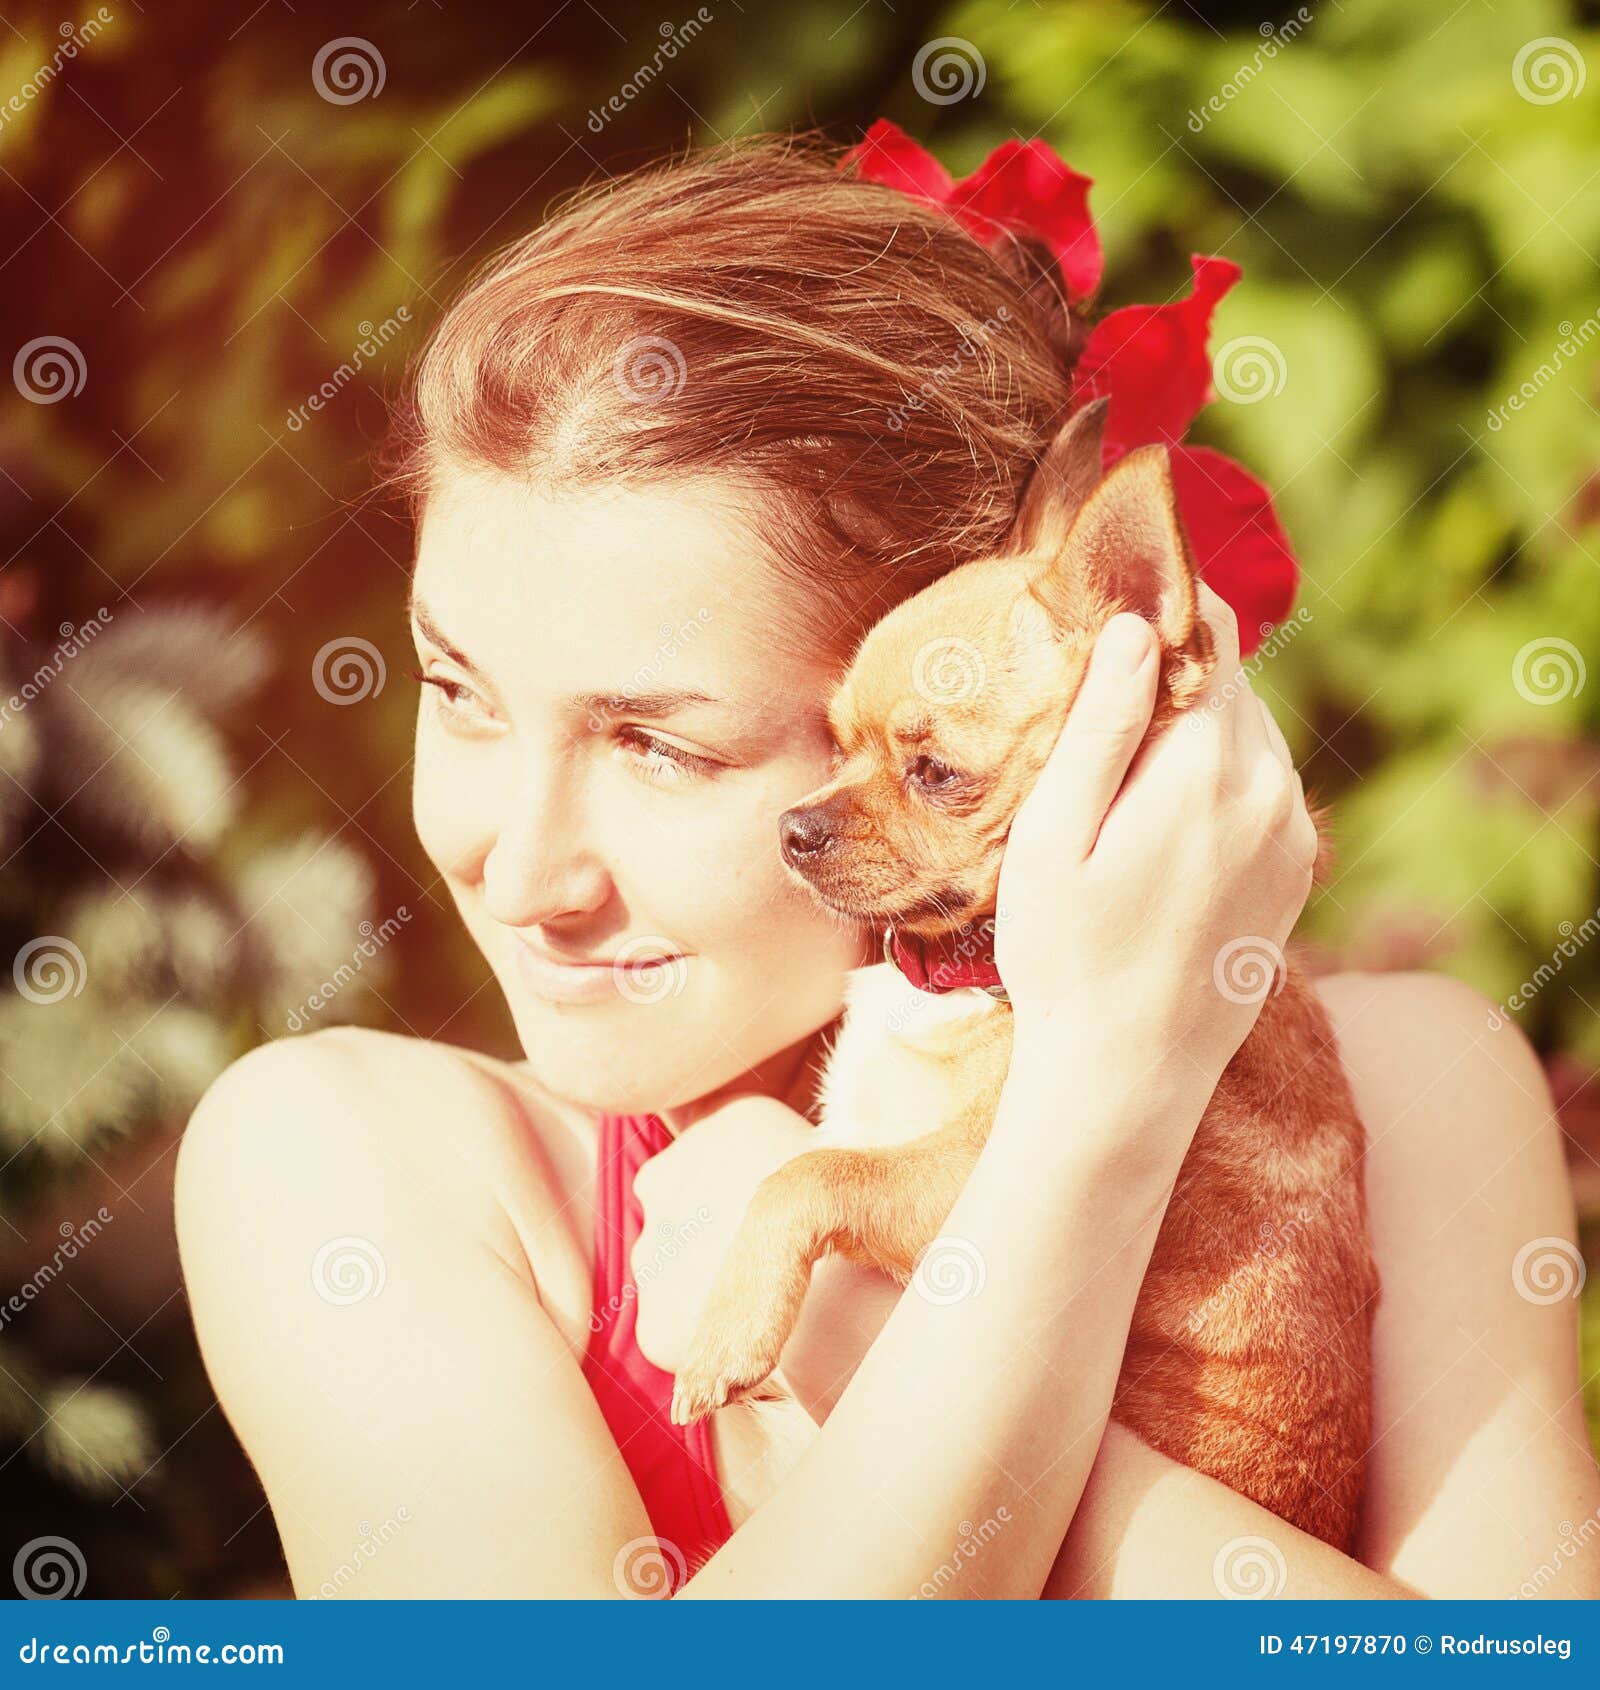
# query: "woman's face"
616,710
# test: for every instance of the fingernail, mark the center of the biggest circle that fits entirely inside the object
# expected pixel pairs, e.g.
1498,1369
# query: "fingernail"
1124,641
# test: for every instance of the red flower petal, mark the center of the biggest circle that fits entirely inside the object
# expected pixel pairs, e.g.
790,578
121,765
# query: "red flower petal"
887,154
1026,186
1021,185
1240,548
1152,360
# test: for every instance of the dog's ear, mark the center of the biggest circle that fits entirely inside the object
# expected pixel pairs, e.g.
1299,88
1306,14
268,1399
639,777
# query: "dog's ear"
1057,489
1127,548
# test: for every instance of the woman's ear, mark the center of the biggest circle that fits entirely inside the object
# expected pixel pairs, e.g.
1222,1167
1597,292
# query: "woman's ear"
1059,486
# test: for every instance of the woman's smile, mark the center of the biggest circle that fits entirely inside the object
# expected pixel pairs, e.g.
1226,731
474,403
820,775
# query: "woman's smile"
637,973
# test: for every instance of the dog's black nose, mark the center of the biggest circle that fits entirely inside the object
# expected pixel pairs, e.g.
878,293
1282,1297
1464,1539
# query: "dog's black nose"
804,833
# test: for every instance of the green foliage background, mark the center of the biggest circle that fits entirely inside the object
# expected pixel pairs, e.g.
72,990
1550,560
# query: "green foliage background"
1418,240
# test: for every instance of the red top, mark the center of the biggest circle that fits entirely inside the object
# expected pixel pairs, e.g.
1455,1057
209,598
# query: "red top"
673,1466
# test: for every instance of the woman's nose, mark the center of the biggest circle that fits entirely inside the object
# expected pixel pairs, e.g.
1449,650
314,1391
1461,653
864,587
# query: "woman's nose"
542,865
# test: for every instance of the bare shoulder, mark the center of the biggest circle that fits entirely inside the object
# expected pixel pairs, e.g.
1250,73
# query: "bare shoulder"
424,1130
370,1231
1478,1436
1464,1154
1450,1090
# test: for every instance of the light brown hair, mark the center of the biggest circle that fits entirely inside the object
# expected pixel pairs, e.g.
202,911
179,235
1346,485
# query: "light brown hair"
882,382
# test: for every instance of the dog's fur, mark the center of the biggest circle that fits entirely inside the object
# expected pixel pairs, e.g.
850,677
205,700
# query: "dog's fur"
1249,1353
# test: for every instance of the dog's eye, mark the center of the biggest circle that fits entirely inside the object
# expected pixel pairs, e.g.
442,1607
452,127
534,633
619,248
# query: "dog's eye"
931,773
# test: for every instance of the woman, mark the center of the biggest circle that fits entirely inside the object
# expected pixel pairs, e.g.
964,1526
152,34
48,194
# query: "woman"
666,472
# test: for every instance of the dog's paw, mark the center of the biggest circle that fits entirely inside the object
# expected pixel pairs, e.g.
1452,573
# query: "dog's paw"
694,1397
716,1373
737,1344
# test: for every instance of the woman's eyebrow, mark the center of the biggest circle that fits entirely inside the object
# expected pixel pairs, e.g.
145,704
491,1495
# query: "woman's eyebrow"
662,701
665,701
423,618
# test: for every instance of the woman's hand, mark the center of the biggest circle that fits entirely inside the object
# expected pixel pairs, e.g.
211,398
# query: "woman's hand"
1166,903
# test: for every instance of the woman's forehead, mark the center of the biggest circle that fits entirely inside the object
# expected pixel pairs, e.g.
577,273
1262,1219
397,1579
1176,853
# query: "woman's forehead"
670,581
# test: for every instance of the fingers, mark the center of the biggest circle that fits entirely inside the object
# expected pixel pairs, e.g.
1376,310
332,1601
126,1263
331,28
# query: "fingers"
1238,732
1275,735
1109,719
1301,837
1219,617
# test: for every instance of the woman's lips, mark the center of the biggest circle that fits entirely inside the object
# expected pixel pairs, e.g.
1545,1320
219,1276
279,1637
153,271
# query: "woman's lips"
630,979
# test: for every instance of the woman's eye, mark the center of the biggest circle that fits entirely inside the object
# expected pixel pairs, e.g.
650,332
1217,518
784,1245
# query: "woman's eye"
455,698
931,773
660,759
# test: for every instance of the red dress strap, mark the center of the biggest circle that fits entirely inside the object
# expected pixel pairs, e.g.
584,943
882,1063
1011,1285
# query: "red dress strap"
673,1466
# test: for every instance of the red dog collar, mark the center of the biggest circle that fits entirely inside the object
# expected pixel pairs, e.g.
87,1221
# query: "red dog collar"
959,959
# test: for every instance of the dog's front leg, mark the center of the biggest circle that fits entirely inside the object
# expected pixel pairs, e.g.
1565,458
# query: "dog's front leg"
879,1207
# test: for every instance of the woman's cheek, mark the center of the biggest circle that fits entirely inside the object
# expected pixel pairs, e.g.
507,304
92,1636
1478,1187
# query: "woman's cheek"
452,804
754,895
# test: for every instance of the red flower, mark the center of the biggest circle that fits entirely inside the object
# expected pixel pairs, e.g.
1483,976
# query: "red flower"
1151,359
1240,548
1021,185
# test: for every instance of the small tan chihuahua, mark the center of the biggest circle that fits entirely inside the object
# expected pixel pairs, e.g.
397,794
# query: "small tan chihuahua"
1249,1356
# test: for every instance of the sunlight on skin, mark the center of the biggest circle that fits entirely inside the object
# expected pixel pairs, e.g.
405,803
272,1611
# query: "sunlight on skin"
667,835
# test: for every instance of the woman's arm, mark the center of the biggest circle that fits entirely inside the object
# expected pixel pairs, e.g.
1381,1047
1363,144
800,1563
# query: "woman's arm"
1481,1481
434,1380
991,1407
961,1410
1149,1526
356,1213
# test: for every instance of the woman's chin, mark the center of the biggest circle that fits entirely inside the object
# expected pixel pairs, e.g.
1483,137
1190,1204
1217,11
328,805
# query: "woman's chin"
623,1060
